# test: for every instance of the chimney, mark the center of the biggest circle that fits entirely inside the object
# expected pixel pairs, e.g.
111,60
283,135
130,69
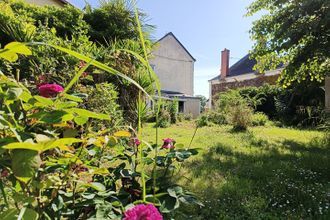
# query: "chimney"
224,63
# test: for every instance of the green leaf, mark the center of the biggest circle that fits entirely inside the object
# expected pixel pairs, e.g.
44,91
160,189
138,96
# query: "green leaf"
112,141
60,142
10,214
97,186
14,93
19,48
168,204
25,163
44,101
62,105
8,55
97,64
52,117
24,145
88,114
30,215
72,97
80,120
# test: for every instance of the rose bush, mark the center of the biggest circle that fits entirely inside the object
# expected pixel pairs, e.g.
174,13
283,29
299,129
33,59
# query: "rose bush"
54,164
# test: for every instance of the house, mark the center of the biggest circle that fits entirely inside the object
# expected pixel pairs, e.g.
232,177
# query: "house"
241,74
59,3
174,66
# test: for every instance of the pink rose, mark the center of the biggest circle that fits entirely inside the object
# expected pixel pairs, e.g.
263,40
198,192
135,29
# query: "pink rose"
50,90
136,141
168,143
143,212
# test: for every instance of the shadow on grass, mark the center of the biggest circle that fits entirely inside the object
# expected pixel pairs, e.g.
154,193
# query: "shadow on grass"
286,179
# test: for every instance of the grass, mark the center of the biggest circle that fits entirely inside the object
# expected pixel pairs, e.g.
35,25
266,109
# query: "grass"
264,173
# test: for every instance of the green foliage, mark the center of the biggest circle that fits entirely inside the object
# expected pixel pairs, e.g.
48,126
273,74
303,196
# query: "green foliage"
266,173
164,120
294,33
188,116
216,117
300,105
67,28
173,108
103,99
236,109
113,20
203,102
54,162
259,119
202,121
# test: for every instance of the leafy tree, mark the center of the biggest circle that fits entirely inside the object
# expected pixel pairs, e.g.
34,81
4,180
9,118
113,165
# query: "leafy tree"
203,102
113,20
295,33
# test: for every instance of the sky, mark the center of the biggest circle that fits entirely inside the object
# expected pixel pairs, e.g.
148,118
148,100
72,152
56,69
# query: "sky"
204,27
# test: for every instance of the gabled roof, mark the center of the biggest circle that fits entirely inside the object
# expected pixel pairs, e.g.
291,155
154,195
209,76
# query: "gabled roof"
171,34
243,66
64,1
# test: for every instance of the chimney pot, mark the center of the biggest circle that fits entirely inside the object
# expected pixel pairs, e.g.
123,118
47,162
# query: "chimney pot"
224,64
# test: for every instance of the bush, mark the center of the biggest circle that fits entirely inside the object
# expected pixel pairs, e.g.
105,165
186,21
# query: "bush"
217,117
202,121
173,107
188,116
236,109
180,117
103,99
53,163
259,119
240,116
164,119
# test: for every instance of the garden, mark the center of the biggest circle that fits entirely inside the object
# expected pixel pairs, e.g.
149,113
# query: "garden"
78,140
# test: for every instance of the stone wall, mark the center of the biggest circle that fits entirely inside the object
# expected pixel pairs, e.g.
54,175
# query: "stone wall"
258,81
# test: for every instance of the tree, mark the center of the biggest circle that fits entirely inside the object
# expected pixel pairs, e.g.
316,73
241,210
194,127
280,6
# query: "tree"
295,33
203,102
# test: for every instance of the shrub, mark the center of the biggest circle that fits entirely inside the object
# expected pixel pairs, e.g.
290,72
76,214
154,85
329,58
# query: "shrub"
240,116
188,116
236,109
259,119
164,119
54,165
216,117
202,121
103,99
180,117
173,107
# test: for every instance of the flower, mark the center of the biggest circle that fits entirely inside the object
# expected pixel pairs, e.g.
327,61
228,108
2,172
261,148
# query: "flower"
50,90
136,141
143,212
168,143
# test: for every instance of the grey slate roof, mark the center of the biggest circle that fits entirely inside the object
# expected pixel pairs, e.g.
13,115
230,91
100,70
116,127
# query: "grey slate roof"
243,66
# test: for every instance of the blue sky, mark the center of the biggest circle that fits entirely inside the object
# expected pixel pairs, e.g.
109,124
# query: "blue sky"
204,27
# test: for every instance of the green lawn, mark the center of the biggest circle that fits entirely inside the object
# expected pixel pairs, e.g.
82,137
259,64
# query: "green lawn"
265,173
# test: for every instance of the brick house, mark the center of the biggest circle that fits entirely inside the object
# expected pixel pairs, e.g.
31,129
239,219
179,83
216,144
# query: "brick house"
241,74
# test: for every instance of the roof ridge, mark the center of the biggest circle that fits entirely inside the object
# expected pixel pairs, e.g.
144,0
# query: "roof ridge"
171,33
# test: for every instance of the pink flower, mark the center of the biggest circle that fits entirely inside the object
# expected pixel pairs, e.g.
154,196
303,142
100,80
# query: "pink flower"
136,141
168,143
50,90
143,212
